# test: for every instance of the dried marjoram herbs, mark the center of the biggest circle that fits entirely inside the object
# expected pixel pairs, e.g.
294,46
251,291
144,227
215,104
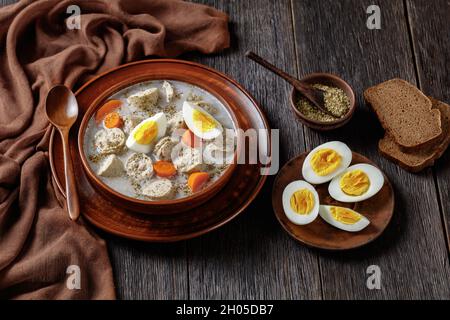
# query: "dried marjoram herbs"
336,102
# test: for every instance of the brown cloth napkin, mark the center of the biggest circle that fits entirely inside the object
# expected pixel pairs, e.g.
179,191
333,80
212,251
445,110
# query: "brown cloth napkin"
38,242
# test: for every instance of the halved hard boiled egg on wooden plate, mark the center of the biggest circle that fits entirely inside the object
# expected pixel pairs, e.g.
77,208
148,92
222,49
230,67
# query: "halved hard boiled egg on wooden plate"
358,183
343,218
326,161
300,202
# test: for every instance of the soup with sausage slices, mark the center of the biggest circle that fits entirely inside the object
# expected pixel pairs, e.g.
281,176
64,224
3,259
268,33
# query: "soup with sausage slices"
160,140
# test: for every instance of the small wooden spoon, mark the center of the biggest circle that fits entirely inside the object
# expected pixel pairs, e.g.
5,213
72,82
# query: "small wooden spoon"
62,111
316,96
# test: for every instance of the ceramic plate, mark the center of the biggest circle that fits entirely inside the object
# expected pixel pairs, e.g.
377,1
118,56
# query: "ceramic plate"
235,196
319,234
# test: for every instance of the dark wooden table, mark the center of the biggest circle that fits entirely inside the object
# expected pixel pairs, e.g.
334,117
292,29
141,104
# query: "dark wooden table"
252,257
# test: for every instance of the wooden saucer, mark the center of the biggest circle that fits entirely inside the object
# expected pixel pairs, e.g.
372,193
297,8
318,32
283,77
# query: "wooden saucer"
319,234
243,186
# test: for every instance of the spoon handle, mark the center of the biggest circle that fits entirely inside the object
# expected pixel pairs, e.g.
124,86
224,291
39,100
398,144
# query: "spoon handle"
73,205
312,94
266,64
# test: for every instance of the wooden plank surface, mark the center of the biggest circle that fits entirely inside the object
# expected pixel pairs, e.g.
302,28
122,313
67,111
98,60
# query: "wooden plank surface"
432,51
252,258
331,36
148,271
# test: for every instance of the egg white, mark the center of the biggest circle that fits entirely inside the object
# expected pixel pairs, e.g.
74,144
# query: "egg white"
376,179
325,214
188,109
346,158
132,144
294,217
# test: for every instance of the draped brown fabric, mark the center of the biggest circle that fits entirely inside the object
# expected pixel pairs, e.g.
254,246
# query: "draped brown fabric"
38,242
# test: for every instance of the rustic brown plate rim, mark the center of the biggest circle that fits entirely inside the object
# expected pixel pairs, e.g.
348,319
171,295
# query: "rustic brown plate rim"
313,245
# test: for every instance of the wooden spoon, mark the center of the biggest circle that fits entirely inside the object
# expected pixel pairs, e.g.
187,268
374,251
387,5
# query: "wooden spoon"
62,111
316,96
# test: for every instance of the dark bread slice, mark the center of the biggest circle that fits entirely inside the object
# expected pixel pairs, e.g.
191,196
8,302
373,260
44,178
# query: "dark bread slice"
405,113
418,160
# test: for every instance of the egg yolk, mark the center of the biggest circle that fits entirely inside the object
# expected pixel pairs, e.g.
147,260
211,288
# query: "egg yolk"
344,215
146,133
355,183
325,161
203,121
302,201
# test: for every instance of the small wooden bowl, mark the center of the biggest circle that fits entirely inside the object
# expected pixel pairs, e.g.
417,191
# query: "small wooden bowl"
332,81
160,206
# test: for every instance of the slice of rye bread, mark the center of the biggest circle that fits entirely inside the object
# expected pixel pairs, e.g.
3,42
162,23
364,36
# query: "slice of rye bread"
418,160
405,113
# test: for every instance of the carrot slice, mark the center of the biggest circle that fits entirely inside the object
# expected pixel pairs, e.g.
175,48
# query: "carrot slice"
190,139
108,107
164,169
197,180
113,120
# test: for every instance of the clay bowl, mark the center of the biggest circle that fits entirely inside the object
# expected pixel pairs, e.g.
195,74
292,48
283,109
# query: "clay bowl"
329,80
161,206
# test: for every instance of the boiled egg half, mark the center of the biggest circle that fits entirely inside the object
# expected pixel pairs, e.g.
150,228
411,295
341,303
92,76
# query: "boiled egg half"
326,161
200,122
146,133
300,202
357,183
343,218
